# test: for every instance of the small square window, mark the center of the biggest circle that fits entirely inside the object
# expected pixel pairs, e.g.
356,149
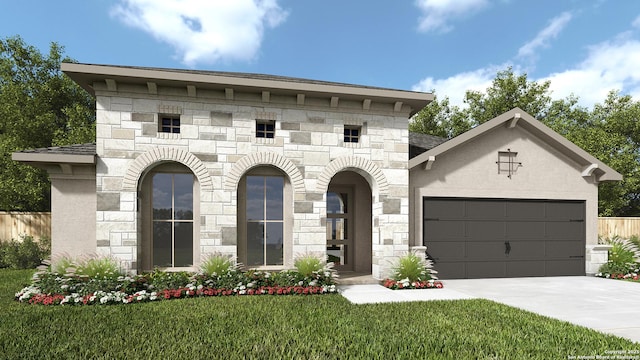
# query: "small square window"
352,133
169,124
265,129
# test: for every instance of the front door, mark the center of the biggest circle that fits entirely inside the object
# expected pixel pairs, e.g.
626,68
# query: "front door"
340,227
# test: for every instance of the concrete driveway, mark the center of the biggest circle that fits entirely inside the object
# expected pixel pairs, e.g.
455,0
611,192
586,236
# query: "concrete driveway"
609,306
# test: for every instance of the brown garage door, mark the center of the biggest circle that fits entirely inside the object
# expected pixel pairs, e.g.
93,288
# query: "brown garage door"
482,238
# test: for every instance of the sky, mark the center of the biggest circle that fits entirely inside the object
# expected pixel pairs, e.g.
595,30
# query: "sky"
583,47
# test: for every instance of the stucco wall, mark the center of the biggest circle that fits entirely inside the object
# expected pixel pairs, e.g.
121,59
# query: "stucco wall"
218,143
470,170
73,216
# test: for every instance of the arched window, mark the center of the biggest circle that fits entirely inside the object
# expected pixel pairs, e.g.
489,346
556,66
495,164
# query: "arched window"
263,223
170,224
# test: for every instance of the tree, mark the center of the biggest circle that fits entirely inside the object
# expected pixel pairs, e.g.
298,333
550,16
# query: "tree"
39,107
506,92
440,119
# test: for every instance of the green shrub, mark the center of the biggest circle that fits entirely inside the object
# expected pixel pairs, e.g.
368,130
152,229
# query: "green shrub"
217,264
308,264
99,267
414,268
624,256
25,253
161,280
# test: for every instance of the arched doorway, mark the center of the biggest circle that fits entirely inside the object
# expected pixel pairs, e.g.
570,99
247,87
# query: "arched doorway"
349,223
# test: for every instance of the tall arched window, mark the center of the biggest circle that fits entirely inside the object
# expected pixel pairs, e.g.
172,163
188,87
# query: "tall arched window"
263,224
170,225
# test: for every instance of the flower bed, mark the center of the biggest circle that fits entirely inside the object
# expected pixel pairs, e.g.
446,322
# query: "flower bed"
50,288
406,284
634,277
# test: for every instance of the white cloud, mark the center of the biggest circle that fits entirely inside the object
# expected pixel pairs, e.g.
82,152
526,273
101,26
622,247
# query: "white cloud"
548,33
609,65
436,13
204,31
636,23
456,86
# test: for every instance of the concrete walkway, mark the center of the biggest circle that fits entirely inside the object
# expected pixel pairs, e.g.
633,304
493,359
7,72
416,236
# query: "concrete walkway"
609,306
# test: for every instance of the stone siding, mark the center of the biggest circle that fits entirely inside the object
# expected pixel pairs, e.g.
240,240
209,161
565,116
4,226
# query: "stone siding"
217,141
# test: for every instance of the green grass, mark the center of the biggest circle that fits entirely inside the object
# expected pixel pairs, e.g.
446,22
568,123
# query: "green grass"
287,327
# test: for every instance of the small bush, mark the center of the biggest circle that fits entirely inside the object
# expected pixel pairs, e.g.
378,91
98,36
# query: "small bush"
624,257
217,264
25,253
161,280
99,267
414,268
308,264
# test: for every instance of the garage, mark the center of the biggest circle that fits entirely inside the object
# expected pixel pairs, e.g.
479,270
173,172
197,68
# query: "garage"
487,238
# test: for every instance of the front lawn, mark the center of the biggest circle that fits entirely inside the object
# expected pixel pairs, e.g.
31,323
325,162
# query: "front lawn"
289,327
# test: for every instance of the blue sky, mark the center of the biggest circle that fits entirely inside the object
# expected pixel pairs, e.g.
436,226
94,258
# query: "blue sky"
583,47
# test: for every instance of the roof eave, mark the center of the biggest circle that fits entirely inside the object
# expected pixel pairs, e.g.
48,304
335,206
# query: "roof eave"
86,74
32,157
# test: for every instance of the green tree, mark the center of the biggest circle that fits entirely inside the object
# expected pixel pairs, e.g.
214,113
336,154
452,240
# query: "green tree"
506,92
39,107
439,118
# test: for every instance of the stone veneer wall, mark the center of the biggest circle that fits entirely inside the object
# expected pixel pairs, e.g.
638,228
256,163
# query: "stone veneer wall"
217,142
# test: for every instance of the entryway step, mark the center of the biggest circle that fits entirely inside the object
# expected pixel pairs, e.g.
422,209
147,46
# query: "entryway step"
356,279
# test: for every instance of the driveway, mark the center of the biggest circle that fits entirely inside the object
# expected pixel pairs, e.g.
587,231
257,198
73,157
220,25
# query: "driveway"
609,306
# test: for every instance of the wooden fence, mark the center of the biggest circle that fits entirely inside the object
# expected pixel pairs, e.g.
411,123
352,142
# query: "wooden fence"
622,226
14,224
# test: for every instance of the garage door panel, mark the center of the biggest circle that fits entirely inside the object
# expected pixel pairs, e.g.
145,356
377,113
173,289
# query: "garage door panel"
521,250
438,230
564,249
565,230
451,250
484,209
486,269
565,210
525,230
444,208
565,267
485,250
451,270
526,268
525,210
482,230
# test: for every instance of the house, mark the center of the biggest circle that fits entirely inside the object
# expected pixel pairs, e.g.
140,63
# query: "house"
264,168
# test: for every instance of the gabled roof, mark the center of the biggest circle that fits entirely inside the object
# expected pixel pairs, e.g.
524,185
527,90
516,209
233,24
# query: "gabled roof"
419,143
517,117
86,74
